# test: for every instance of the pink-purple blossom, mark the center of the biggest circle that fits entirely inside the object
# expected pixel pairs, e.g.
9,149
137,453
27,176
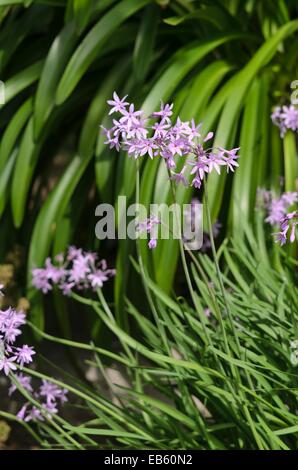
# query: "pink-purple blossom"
24,354
11,322
150,226
277,207
288,226
286,118
279,214
117,104
13,357
52,393
77,269
7,364
24,380
152,243
48,394
157,136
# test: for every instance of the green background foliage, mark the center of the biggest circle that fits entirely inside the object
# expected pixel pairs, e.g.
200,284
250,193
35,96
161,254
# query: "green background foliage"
223,62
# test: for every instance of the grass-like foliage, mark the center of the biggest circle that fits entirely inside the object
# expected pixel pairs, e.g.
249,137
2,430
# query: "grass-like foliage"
218,374
210,361
224,62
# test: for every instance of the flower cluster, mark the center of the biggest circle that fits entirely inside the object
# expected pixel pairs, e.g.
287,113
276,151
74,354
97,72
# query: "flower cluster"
157,135
48,395
277,207
11,322
279,214
13,357
285,117
287,226
149,225
77,269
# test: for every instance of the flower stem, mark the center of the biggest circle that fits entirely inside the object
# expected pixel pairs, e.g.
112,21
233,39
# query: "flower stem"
181,244
142,269
219,276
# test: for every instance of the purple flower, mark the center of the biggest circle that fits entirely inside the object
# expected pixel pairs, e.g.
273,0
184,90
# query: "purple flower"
78,269
280,237
276,211
54,273
152,243
168,157
11,333
118,105
148,224
24,381
230,159
289,198
160,129
48,391
293,232
51,392
278,207
179,177
279,215
73,252
24,354
113,142
147,146
11,355
67,287
289,222
193,130
285,118
62,397
200,167
7,364
197,182
34,414
40,280
140,137
176,147
164,112
214,163
50,408
22,413
130,118
209,136
98,278
276,115
289,115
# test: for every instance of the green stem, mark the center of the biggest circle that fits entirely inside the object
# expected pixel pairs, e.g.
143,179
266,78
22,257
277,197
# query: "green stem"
12,417
99,402
222,289
111,317
181,244
143,272
75,344
51,421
